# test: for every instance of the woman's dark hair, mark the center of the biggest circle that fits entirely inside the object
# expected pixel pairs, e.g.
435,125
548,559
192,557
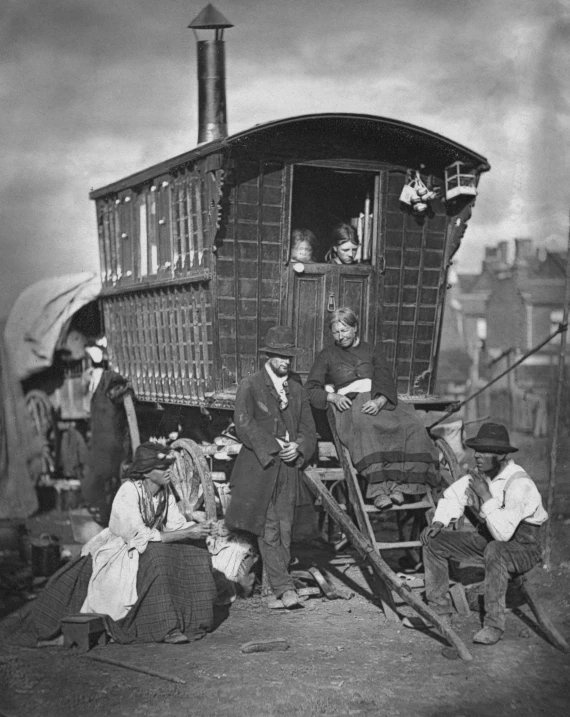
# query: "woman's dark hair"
345,316
342,233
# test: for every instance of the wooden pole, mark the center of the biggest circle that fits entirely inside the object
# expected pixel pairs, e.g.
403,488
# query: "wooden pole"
557,408
134,668
381,568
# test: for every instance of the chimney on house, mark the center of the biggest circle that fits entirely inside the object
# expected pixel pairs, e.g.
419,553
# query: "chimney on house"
496,257
523,251
212,117
503,253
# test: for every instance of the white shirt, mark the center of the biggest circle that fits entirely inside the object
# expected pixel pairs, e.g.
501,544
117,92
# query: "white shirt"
279,383
505,510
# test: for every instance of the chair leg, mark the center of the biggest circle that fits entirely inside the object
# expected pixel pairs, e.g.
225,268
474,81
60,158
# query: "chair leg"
459,598
542,618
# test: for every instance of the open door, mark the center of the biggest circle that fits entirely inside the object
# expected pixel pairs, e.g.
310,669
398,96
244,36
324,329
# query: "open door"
322,197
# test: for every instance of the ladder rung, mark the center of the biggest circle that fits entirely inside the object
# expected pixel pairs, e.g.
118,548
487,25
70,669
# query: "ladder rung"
406,506
403,544
332,474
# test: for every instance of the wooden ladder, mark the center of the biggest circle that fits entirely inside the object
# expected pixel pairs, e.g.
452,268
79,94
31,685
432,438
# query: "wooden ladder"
362,512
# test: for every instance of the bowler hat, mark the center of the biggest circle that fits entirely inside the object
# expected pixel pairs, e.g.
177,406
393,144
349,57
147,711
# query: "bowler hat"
491,438
281,341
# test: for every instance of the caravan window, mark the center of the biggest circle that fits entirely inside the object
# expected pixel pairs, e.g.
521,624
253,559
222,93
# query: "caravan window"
328,202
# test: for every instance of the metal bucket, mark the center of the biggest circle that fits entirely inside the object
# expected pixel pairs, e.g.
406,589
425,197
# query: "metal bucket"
46,555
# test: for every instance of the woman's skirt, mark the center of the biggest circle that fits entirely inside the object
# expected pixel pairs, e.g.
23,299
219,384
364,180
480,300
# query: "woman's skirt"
175,588
392,446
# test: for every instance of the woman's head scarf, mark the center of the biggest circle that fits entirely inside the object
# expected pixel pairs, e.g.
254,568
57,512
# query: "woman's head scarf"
148,457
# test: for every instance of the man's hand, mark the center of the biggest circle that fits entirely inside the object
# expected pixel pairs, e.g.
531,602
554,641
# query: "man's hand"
375,405
479,485
194,532
289,452
430,532
342,403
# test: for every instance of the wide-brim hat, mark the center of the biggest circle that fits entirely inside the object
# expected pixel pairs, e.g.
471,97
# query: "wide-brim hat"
280,340
491,438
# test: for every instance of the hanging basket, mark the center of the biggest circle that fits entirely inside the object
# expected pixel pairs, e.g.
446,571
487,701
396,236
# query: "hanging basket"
416,195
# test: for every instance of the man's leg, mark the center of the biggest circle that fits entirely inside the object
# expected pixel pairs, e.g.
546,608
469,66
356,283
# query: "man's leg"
436,555
501,561
274,554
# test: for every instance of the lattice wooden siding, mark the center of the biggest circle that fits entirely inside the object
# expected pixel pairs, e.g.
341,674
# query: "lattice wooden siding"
161,340
414,289
187,221
249,268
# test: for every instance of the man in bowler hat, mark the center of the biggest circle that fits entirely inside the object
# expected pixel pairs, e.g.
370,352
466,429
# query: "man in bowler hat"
273,420
507,540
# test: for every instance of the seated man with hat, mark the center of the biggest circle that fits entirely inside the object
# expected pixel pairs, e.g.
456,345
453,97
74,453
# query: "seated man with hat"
274,422
507,541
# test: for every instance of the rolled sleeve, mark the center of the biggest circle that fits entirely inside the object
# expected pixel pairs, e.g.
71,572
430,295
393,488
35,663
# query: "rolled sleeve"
452,505
521,499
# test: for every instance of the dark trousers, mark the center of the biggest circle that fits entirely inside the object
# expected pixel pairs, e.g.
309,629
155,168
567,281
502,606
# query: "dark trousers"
500,559
275,544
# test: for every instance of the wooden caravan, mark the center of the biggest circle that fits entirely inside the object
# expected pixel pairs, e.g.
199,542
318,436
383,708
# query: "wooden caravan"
196,259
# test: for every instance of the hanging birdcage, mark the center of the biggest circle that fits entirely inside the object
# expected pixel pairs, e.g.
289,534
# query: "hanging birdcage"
458,182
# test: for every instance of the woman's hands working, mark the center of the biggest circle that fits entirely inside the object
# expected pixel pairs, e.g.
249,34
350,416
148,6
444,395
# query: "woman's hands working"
194,532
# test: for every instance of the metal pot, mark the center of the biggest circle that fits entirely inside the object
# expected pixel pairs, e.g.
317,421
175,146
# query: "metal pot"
46,555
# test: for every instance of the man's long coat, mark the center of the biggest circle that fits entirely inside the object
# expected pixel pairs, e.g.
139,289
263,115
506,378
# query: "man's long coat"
259,421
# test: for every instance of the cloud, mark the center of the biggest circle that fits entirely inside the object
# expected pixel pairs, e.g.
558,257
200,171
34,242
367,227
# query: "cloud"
95,90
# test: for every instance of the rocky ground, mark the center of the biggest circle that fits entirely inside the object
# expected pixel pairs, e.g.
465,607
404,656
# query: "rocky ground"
343,658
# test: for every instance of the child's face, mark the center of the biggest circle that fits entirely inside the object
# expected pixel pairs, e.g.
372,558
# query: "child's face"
302,252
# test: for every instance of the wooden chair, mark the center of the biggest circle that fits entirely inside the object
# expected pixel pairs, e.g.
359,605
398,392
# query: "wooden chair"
519,584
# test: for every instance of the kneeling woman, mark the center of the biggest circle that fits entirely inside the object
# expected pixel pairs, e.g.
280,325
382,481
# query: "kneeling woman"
151,586
387,441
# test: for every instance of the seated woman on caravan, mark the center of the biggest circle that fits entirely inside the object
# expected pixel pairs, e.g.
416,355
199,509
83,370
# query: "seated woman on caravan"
386,439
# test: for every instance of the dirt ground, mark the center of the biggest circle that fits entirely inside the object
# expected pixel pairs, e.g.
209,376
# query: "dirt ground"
344,658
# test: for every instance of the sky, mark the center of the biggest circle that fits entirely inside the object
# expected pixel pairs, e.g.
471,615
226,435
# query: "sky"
93,90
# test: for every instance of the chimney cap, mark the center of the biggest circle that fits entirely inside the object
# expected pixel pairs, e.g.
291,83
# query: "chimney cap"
209,19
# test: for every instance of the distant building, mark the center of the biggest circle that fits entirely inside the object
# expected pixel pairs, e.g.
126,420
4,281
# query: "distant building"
511,305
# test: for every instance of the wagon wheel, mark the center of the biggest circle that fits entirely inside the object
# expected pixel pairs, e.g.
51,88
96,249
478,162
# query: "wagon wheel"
449,460
191,474
449,475
42,414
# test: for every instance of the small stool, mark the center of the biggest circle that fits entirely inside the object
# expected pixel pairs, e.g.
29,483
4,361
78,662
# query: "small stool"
84,630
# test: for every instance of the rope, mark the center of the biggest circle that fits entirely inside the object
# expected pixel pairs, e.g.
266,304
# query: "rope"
561,329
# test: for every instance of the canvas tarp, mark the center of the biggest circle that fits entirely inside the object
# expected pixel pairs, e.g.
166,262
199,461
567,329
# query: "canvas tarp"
38,316
27,345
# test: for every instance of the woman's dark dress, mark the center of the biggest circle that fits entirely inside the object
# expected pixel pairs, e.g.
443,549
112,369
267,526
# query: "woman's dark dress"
390,448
